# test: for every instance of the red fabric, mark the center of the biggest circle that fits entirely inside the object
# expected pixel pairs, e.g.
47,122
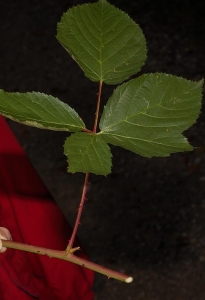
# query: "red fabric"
31,215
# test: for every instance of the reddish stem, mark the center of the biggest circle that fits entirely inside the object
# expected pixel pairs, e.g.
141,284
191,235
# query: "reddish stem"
97,108
80,209
87,130
83,197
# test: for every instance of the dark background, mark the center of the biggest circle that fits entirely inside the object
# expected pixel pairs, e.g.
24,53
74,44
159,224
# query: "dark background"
147,218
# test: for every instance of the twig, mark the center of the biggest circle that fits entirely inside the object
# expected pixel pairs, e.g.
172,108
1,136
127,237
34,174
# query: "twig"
68,257
68,254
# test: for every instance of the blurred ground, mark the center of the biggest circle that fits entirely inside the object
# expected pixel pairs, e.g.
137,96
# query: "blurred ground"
147,217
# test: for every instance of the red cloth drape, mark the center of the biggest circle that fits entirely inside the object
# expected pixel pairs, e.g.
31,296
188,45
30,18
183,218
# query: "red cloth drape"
31,215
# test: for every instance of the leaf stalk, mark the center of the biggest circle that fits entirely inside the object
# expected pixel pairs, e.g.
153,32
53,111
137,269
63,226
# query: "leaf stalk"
83,196
80,209
97,108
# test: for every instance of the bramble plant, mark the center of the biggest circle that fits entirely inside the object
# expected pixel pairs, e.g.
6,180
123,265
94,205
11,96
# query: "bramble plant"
146,115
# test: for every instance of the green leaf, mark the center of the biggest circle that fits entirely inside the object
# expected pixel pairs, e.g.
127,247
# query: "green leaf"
106,43
87,153
39,110
147,115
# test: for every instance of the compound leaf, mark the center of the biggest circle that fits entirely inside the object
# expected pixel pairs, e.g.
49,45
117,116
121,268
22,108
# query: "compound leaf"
39,110
147,115
106,43
87,153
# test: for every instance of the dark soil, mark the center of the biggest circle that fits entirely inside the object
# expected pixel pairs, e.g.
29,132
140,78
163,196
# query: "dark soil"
148,217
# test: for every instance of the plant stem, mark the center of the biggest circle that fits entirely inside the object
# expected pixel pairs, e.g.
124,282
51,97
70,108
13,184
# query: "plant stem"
80,209
83,197
68,257
97,108
87,130
68,253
